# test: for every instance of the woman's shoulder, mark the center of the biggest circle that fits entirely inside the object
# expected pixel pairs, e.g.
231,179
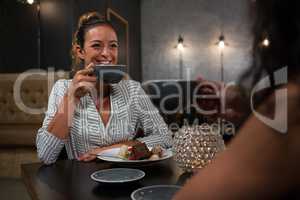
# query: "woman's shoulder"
283,106
63,82
293,103
127,88
61,85
129,85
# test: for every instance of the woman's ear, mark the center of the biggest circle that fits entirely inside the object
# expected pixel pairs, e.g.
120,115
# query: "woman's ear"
79,52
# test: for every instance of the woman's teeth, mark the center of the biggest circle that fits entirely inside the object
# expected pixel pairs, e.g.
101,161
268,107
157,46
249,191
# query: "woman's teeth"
105,62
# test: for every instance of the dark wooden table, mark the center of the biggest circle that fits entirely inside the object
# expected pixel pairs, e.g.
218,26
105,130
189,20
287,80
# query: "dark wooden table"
70,179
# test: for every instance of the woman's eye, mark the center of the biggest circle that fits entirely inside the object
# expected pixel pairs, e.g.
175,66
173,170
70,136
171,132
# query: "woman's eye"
96,46
114,45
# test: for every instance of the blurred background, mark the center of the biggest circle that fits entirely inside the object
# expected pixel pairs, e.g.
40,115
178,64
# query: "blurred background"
154,27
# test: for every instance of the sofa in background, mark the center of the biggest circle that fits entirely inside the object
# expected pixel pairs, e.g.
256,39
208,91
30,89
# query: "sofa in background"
18,128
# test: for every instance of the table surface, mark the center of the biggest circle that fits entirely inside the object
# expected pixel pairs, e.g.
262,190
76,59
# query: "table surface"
70,179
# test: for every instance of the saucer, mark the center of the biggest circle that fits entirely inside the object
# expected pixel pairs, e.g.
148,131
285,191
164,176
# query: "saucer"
154,192
117,175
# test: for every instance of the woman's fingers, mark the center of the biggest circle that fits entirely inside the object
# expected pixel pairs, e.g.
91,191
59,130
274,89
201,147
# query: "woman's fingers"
82,157
86,71
87,157
82,88
83,82
90,66
92,154
81,78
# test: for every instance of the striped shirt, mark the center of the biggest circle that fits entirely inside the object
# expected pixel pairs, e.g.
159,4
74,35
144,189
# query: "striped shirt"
130,108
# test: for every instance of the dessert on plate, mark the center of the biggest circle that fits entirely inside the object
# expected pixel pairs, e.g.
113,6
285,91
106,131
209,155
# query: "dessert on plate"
140,151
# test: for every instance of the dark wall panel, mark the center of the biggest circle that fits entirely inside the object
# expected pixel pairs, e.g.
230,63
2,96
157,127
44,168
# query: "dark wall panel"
130,10
81,6
18,36
58,20
56,33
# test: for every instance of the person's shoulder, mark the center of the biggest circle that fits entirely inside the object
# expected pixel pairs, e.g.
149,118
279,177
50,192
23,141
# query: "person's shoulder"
293,102
292,95
293,90
284,103
61,85
130,85
63,82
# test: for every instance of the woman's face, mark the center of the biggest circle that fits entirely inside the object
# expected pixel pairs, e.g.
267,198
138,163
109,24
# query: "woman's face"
100,46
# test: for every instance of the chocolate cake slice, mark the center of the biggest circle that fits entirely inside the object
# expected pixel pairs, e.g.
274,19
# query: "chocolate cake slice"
138,151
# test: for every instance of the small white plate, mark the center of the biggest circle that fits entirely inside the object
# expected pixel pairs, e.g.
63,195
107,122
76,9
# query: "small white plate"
111,155
155,192
117,175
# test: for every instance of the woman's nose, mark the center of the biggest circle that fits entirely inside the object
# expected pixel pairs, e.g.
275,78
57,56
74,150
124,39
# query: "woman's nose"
105,51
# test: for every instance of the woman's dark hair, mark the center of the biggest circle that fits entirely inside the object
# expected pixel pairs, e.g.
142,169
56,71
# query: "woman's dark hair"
86,21
279,21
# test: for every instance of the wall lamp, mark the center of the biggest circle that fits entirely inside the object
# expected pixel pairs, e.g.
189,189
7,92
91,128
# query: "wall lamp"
221,43
180,45
30,1
266,42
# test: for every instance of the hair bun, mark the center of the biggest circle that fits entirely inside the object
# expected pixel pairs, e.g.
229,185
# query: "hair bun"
87,21
90,18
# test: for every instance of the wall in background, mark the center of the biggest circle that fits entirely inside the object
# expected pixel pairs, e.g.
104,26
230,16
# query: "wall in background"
18,32
57,18
200,22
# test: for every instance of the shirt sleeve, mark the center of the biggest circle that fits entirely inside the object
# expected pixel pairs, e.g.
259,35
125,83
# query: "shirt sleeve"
48,145
155,129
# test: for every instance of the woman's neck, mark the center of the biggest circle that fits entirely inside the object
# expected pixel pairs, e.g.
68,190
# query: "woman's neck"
103,91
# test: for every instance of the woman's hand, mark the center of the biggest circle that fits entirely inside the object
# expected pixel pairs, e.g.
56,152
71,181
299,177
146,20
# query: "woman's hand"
92,154
83,82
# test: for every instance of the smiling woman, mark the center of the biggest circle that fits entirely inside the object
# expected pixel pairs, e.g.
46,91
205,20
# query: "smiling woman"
88,116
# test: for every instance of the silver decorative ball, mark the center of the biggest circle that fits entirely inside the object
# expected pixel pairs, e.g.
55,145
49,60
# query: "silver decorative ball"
196,146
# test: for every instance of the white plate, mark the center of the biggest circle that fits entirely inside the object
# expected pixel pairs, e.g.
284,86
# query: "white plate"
111,155
117,175
155,192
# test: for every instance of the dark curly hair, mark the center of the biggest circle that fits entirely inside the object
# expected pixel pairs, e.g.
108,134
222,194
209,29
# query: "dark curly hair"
279,20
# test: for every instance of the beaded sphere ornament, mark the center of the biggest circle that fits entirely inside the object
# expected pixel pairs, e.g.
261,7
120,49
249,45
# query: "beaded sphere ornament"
196,146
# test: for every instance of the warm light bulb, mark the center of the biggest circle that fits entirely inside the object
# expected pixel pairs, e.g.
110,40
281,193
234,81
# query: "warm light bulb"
266,42
180,46
30,1
221,44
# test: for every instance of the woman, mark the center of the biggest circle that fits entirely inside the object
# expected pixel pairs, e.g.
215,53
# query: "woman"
262,163
86,117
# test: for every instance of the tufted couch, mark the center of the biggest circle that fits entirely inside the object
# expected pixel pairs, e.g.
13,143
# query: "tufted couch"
23,99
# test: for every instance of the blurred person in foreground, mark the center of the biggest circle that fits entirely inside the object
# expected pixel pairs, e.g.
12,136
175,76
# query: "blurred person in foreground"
262,162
